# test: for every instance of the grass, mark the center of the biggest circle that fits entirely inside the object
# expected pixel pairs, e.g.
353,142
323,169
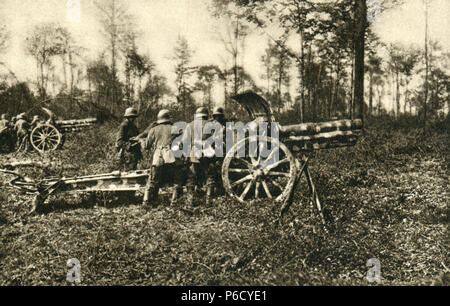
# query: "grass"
385,198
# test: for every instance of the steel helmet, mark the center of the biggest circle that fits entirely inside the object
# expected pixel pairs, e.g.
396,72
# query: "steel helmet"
130,112
219,111
163,116
201,112
21,116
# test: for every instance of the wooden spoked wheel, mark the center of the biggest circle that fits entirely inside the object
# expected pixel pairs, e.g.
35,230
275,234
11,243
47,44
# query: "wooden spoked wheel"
45,137
259,167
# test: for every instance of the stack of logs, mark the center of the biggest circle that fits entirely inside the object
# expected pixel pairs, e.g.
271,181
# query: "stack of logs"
75,124
321,135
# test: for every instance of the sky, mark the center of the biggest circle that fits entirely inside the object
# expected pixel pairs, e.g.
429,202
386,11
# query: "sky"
162,21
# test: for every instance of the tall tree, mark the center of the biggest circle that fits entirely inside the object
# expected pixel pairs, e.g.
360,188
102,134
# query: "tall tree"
4,38
115,20
425,99
374,69
44,43
407,65
206,77
182,57
360,32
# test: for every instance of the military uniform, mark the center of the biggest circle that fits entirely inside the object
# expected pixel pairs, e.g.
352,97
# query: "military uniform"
35,122
200,166
4,122
22,128
217,161
6,138
129,151
165,168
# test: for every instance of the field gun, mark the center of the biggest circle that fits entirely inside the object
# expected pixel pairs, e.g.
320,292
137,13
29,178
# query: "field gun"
50,135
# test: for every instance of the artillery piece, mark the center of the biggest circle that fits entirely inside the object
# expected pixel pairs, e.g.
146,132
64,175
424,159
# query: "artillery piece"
256,176
246,177
50,135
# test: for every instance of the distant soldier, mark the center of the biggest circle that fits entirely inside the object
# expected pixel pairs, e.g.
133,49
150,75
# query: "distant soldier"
129,150
199,165
51,117
164,165
34,123
13,121
4,122
5,134
22,128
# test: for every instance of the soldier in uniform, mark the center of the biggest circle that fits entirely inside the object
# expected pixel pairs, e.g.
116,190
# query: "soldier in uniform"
199,165
129,150
22,128
4,122
217,161
5,134
34,123
164,165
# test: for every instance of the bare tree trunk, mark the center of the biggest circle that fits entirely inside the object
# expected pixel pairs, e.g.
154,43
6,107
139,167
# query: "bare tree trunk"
426,67
361,23
351,106
397,92
235,72
302,76
63,61
42,81
370,93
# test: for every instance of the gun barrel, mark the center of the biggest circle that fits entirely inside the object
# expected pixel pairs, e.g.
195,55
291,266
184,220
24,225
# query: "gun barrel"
322,135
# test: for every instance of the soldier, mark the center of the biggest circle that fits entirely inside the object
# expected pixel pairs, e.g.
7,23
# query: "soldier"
5,134
217,161
129,150
13,121
22,128
4,122
199,165
164,166
34,123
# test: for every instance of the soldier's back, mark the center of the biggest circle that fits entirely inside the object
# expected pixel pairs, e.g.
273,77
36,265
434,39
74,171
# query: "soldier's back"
161,135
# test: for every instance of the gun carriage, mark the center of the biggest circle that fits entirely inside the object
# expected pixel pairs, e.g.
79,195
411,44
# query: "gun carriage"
50,135
254,175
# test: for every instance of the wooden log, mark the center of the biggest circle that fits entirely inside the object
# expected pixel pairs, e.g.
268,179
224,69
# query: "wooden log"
313,128
325,143
324,136
76,121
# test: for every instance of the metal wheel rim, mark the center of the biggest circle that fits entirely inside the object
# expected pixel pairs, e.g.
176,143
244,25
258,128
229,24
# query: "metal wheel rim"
259,184
45,137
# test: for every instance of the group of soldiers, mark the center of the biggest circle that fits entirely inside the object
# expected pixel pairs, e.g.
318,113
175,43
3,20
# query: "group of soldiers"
15,132
193,171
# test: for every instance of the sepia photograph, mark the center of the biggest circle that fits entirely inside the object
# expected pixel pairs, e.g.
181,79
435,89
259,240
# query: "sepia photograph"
203,144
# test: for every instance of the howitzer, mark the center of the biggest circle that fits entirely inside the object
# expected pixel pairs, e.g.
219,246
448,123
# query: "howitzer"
254,175
115,181
50,135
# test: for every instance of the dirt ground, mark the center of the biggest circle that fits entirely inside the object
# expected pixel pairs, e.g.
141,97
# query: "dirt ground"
386,198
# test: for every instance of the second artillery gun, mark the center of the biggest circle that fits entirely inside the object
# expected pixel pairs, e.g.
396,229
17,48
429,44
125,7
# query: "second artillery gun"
50,135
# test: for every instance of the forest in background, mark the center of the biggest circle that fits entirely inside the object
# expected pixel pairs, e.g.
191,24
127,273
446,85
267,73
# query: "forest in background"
384,198
329,65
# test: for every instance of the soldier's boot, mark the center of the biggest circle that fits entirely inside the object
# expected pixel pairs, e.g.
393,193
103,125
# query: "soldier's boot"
155,198
176,192
209,192
190,195
150,197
